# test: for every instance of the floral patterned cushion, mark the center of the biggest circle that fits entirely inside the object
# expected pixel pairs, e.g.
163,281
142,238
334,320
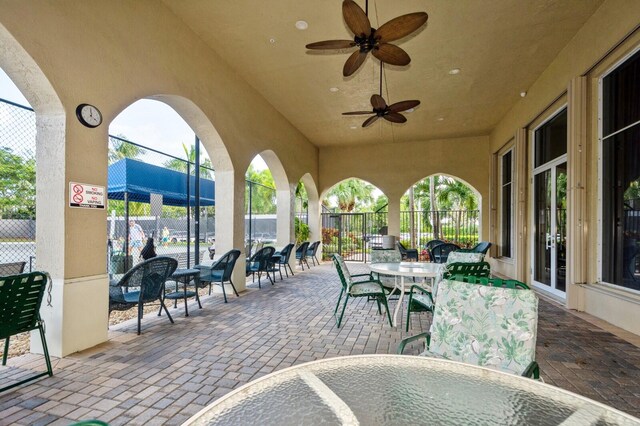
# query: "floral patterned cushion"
386,256
424,299
464,257
489,326
364,288
343,267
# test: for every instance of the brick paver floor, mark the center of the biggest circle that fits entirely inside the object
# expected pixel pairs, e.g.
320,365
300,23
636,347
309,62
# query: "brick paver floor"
172,371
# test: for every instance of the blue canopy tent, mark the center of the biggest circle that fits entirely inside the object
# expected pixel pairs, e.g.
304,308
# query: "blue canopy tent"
139,180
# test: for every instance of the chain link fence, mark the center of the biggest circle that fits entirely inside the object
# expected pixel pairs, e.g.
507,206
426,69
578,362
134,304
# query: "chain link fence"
17,188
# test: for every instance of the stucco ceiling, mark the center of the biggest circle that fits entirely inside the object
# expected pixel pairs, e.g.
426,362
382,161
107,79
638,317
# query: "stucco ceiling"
500,46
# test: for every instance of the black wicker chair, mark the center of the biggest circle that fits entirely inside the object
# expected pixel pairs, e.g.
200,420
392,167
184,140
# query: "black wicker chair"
285,255
312,251
142,284
301,254
220,272
261,262
440,253
407,254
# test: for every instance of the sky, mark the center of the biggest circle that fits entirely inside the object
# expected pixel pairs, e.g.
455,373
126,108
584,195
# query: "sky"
146,122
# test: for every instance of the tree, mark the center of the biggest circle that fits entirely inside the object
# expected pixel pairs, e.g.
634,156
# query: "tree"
17,186
190,155
352,194
119,148
261,189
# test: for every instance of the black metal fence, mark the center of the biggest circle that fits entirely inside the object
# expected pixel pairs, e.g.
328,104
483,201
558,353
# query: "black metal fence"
456,226
17,184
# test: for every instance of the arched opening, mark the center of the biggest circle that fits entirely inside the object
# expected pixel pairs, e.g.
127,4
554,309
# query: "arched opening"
153,156
440,207
354,219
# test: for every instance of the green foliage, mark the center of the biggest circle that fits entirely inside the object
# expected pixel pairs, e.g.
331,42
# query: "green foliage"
352,195
190,154
17,186
119,149
302,231
263,195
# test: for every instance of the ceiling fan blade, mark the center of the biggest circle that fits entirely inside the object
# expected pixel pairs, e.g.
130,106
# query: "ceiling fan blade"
394,117
370,120
401,26
358,113
378,102
356,19
353,62
331,44
391,54
403,106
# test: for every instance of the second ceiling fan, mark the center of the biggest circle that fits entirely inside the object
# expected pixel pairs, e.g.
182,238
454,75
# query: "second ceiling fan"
373,40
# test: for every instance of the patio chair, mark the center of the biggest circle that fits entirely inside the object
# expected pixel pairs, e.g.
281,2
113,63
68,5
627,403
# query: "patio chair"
440,253
301,254
259,263
386,256
285,255
20,299
407,254
493,327
491,282
142,284
312,251
363,288
482,247
220,272
12,268
431,244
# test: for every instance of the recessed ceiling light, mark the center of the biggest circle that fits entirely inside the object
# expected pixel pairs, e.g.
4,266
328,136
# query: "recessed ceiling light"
272,40
333,89
353,127
409,110
302,25
440,119
454,71
523,94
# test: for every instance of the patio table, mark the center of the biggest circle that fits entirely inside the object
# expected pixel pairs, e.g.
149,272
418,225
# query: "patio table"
185,276
398,389
406,269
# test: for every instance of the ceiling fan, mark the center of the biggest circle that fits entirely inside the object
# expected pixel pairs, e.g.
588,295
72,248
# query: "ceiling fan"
373,40
388,112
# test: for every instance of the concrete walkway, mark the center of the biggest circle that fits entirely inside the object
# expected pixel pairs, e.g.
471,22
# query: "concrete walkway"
172,371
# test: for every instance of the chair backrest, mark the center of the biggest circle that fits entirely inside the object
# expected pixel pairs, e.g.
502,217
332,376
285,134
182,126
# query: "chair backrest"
481,247
301,252
263,256
458,269
247,249
313,248
386,256
440,253
12,268
226,263
431,244
492,282
150,276
464,257
401,247
20,299
285,253
343,271
489,326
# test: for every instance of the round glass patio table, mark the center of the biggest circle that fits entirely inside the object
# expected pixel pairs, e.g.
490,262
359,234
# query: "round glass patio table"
406,269
400,389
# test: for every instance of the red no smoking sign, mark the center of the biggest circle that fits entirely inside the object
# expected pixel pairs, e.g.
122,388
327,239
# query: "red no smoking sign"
86,196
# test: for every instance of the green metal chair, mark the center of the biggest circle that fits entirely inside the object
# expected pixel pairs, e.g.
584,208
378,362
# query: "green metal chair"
494,327
20,299
368,287
422,300
492,282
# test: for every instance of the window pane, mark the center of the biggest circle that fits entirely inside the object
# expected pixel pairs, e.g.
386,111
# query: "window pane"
506,168
506,221
621,91
621,209
551,139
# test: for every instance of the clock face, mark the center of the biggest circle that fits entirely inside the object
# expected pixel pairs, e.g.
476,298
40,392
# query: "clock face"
89,115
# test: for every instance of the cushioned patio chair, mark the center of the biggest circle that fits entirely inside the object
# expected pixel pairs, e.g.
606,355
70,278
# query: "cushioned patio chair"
407,254
312,251
20,300
386,256
491,282
492,327
220,272
440,253
365,287
261,262
283,262
301,254
142,284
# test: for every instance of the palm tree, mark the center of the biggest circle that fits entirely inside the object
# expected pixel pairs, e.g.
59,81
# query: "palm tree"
262,191
190,156
120,148
455,195
352,192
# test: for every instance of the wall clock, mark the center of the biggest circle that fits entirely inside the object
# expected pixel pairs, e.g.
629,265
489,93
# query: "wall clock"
89,115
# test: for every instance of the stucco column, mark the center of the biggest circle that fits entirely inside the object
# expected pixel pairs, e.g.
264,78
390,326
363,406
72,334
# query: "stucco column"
71,242
520,177
393,218
576,197
285,209
230,193
315,222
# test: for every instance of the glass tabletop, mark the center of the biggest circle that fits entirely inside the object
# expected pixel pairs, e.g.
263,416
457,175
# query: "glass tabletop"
394,389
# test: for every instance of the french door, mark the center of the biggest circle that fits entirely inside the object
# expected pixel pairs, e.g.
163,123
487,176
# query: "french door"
549,268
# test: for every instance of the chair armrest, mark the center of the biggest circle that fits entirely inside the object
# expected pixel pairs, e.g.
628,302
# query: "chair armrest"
422,290
370,275
532,371
403,342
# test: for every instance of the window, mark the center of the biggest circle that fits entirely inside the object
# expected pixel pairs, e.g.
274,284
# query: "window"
506,197
621,175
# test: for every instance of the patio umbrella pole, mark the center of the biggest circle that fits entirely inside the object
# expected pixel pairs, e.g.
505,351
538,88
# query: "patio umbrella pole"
197,204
